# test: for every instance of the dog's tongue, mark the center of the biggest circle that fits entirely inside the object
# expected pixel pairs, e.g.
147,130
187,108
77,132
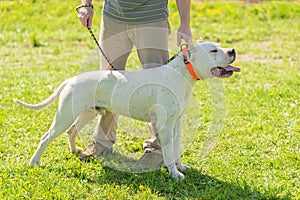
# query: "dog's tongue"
231,68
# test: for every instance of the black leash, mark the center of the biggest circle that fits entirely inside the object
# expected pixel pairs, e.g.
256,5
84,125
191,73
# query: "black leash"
107,59
92,34
101,50
173,57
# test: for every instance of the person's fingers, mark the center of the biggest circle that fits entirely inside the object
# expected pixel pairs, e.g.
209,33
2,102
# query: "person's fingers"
84,23
83,19
85,15
181,36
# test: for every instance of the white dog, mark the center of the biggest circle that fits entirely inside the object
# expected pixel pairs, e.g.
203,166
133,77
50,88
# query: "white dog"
158,95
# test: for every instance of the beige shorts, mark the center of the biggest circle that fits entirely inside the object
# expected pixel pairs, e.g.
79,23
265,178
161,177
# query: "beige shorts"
118,39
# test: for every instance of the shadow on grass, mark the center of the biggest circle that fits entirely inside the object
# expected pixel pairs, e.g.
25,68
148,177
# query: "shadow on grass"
195,185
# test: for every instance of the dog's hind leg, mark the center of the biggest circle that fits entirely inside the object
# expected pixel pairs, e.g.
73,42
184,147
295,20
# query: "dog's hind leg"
59,124
84,118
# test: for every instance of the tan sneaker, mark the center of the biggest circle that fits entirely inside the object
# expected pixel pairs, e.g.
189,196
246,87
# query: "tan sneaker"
94,149
152,160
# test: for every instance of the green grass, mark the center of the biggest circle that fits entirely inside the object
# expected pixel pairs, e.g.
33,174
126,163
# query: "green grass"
257,155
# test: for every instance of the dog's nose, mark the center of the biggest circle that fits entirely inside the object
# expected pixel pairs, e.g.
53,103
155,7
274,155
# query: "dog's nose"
231,53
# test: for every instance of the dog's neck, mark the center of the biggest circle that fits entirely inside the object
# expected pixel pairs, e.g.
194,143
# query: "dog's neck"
179,65
188,64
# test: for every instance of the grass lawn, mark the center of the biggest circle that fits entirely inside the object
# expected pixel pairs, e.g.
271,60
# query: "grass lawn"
257,155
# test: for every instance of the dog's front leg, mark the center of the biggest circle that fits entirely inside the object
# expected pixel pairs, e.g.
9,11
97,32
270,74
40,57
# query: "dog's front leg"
177,131
166,137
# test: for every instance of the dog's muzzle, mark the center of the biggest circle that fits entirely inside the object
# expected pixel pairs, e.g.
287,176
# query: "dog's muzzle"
225,72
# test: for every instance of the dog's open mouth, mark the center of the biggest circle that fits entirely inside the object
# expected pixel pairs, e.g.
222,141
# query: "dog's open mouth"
224,72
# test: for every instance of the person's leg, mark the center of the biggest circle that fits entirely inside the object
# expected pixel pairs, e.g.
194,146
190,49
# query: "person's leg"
115,43
117,46
151,41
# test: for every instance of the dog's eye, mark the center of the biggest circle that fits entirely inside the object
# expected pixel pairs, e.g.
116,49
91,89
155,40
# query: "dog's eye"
214,51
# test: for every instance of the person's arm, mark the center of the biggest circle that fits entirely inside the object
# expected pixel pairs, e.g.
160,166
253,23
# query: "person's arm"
184,31
85,14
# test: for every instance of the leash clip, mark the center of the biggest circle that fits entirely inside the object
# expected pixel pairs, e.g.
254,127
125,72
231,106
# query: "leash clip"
183,49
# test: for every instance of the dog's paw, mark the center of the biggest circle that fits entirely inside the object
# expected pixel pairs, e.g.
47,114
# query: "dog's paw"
178,176
34,163
78,150
183,167
175,173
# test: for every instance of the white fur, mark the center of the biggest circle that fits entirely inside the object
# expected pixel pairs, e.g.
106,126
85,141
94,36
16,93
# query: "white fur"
158,95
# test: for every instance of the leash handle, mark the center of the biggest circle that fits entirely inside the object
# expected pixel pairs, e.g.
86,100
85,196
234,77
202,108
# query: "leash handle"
101,50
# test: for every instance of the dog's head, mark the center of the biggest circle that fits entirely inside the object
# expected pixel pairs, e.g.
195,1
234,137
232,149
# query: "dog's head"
210,60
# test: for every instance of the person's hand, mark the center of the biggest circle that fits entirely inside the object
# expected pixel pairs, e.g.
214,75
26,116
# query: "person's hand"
85,15
184,33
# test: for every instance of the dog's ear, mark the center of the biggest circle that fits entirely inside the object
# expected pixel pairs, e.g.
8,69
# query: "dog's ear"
199,40
191,52
190,48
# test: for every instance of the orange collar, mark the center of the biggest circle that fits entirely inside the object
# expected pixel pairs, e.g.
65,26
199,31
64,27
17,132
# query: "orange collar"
189,65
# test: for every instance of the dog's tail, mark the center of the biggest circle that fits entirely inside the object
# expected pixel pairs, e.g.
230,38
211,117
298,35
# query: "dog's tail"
46,102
